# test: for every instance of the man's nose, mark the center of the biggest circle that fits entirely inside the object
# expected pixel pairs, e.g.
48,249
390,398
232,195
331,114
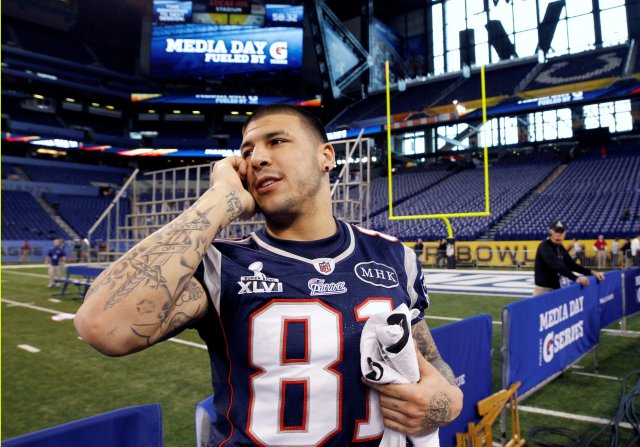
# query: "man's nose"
260,157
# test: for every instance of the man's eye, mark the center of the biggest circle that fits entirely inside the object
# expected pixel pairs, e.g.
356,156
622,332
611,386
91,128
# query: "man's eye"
246,154
277,141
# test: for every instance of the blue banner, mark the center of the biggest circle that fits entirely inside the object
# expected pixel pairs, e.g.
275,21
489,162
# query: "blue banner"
632,291
190,51
135,426
548,333
610,298
223,98
466,347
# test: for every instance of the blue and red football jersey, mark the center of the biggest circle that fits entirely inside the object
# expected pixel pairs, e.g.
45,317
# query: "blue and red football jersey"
283,332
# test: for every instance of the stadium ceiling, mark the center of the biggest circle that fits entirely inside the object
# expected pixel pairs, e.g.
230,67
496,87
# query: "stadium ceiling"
382,8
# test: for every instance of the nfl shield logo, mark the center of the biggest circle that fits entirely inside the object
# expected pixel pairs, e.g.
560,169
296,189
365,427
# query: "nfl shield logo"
324,267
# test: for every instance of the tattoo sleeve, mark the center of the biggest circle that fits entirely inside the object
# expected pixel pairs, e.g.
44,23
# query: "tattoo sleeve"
154,280
428,348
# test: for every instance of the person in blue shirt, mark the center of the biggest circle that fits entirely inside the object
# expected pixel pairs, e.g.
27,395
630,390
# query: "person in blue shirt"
56,258
281,311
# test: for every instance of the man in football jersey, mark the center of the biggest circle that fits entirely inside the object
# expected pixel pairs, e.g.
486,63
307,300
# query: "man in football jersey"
281,311
56,258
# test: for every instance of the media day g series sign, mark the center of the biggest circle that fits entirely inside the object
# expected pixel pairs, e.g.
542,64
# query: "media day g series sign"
547,333
555,341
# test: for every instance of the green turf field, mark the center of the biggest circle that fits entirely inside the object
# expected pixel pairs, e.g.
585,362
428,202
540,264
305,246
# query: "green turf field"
67,380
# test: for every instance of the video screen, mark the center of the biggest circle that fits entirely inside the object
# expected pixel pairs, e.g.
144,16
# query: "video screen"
213,39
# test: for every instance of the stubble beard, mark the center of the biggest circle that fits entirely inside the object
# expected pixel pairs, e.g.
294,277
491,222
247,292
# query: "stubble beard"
295,203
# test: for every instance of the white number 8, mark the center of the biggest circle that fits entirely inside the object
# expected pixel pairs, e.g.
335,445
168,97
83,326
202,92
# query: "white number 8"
322,384
321,409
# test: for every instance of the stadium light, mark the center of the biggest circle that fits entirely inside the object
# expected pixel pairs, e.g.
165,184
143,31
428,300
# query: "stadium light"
35,95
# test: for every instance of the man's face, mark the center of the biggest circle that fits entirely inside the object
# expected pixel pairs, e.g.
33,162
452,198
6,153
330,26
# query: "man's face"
557,237
284,165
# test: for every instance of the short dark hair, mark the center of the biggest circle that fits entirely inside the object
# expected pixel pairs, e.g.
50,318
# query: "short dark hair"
308,118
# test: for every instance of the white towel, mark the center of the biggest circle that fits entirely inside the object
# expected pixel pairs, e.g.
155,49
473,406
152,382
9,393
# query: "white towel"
387,355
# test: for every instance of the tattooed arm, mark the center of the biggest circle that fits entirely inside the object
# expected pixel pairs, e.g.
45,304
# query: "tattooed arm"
149,294
420,408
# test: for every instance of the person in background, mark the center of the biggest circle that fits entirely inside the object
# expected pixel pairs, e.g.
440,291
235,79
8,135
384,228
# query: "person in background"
77,249
577,251
600,247
25,251
55,259
553,265
635,251
615,251
441,258
625,250
419,249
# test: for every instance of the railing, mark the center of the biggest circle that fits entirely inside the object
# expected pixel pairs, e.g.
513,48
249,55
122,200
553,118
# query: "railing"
159,197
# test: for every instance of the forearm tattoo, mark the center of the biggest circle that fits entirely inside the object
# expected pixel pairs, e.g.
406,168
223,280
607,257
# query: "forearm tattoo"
428,348
234,205
440,405
439,411
160,269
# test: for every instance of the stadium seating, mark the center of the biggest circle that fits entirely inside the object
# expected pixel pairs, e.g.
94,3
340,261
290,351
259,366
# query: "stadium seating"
81,212
53,43
591,194
59,174
470,89
435,92
587,66
24,218
464,192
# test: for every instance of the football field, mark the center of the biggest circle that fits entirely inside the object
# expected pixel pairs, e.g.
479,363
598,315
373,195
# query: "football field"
50,376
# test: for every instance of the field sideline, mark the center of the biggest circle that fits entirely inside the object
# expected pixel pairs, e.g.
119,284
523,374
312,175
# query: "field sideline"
66,380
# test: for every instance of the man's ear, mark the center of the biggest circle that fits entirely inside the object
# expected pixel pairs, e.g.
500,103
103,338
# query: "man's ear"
328,155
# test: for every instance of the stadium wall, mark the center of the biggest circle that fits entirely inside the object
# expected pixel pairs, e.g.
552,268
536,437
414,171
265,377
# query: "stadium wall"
519,254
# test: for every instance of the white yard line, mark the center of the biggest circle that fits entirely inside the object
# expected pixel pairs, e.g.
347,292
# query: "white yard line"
573,417
29,348
35,275
597,376
497,323
66,314
31,306
188,343
619,332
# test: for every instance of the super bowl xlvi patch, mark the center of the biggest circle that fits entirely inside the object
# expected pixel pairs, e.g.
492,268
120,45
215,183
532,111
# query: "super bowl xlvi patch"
319,286
258,282
377,274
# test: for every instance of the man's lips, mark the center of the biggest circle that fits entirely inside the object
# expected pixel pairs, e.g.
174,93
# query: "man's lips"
266,183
